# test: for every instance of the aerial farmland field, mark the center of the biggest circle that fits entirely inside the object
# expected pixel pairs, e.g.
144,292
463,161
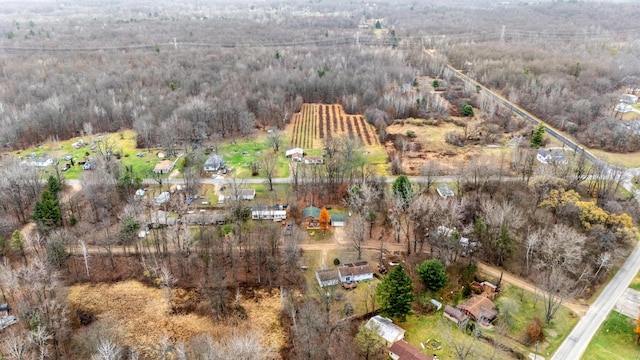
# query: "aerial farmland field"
315,122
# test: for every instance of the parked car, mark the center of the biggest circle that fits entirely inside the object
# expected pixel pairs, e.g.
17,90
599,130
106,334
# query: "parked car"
141,154
67,158
66,167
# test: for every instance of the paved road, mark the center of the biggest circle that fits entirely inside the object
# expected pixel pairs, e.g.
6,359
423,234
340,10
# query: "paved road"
578,340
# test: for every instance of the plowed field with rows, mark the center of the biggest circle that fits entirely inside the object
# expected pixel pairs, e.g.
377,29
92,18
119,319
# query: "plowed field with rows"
315,122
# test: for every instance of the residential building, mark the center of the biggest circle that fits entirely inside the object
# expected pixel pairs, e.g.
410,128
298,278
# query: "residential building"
402,350
163,167
551,156
327,277
214,163
244,194
456,315
310,216
357,272
338,220
480,309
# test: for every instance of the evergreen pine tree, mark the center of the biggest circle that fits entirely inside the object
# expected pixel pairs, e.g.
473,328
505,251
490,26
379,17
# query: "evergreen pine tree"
395,294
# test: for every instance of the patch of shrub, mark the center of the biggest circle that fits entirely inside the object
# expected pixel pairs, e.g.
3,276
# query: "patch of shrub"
411,134
336,261
455,138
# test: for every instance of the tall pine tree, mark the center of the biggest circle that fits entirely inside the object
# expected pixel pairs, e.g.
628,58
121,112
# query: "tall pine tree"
395,294
537,137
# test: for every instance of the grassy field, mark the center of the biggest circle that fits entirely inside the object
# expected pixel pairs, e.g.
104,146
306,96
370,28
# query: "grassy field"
629,160
241,152
125,143
614,340
532,306
421,328
145,316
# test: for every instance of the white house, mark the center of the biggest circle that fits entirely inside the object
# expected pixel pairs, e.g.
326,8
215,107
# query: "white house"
628,99
313,160
359,271
291,152
214,163
385,328
328,277
551,157
275,215
244,194
38,162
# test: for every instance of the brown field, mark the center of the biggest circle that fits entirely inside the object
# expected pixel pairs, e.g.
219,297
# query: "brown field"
429,144
315,122
139,315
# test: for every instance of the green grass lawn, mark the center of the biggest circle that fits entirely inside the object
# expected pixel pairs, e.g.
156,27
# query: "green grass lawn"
614,340
532,306
247,150
421,328
125,143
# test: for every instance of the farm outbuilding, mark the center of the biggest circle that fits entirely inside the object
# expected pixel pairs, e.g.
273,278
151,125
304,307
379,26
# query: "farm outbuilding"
338,220
291,152
385,328
328,277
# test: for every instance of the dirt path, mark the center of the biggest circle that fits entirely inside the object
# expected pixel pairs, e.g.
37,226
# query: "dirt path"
579,309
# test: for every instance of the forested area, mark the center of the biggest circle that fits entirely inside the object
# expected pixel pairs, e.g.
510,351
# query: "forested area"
190,75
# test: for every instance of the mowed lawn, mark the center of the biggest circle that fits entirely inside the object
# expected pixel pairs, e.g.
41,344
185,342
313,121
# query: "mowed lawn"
240,153
614,340
124,143
527,306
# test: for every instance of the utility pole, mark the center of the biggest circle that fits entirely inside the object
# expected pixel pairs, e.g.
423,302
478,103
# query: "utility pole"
502,33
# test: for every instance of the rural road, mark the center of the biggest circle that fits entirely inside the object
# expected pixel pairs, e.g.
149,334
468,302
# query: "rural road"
576,343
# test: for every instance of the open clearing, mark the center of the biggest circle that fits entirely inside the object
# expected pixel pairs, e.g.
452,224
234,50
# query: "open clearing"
139,316
429,144
614,340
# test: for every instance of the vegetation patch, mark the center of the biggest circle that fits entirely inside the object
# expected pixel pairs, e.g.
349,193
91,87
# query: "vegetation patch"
614,340
140,316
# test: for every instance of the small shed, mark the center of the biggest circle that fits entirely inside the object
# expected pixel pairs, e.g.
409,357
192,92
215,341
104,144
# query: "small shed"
338,220
385,328
436,303
327,277
4,310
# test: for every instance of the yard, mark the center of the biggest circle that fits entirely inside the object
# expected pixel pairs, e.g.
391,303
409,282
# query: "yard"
124,143
614,340
240,153
527,306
